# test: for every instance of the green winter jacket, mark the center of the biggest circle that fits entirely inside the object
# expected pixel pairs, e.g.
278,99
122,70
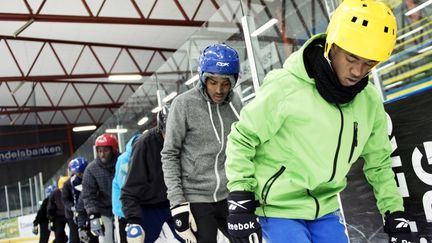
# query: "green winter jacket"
294,149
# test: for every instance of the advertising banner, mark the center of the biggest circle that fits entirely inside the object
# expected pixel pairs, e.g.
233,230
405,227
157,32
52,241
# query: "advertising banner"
410,132
9,228
34,152
25,225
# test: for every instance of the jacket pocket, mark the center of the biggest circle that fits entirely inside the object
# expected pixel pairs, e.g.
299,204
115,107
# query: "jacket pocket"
268,185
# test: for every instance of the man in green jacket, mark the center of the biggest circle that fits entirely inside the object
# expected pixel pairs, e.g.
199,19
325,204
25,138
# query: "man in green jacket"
310,121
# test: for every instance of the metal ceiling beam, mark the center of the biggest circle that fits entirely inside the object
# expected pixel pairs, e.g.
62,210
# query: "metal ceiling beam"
27,109
133,83
49,78
100,20
302,20
58,41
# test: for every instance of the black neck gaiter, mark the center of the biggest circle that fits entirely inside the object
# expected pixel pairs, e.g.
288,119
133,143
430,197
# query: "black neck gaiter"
326,81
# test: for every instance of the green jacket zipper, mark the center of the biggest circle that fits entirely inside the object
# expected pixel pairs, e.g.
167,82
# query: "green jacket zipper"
268,185
338,145
316,203
354,142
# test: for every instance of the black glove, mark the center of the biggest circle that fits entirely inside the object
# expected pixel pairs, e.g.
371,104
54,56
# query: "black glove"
134,233
185,225
35,229
243,225
75,217
51,225
397,227
96,225
83,235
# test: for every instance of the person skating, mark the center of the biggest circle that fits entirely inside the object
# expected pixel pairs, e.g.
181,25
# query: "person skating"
193,155
70,194
56,212
310,121
97,188
143,195
40,223
121,170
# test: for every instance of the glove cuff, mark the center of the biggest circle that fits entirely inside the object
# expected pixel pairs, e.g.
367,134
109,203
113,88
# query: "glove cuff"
396,222
176,207
94,215
241,202
134,220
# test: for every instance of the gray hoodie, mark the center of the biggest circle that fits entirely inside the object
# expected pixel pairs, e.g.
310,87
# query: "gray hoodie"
193,156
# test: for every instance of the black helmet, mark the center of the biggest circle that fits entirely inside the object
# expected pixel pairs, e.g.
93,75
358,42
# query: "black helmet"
162,118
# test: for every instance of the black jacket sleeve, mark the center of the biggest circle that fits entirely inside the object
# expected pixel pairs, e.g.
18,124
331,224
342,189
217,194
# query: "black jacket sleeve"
41,215
67,198
82,214
135,183
90,192
51,206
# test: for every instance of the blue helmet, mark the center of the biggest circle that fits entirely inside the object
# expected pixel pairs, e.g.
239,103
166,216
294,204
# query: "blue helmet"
78,165
162,117
49,190
219,59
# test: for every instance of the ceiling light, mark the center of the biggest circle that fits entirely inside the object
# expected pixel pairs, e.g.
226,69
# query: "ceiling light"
169,97
17,88
156,109
116,130
425,49
409,33
421,6
142,121
192,80
22,28
264,27
124,77
84,128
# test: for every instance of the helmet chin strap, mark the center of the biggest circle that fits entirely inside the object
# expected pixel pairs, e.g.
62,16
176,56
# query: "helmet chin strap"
328,59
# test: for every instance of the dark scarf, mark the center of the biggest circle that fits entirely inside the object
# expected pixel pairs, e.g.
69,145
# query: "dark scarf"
326,81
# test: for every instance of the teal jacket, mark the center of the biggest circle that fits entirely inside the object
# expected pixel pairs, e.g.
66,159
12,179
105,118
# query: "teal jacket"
121,170
294,149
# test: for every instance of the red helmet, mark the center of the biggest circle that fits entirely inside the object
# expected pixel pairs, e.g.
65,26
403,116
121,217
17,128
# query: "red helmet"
107,139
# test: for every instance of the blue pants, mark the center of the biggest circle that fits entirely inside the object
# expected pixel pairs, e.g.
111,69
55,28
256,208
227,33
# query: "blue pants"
152,221
327,229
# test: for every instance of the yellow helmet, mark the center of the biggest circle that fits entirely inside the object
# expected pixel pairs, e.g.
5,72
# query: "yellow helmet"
366,28
61,181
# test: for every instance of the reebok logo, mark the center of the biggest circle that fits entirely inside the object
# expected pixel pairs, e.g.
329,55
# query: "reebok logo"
222,64
240,226
234,204
403,223
178,223
395,240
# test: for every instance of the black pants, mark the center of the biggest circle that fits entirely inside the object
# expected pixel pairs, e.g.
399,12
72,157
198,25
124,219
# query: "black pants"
44,232
73,231
210,217
60,234
122,229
